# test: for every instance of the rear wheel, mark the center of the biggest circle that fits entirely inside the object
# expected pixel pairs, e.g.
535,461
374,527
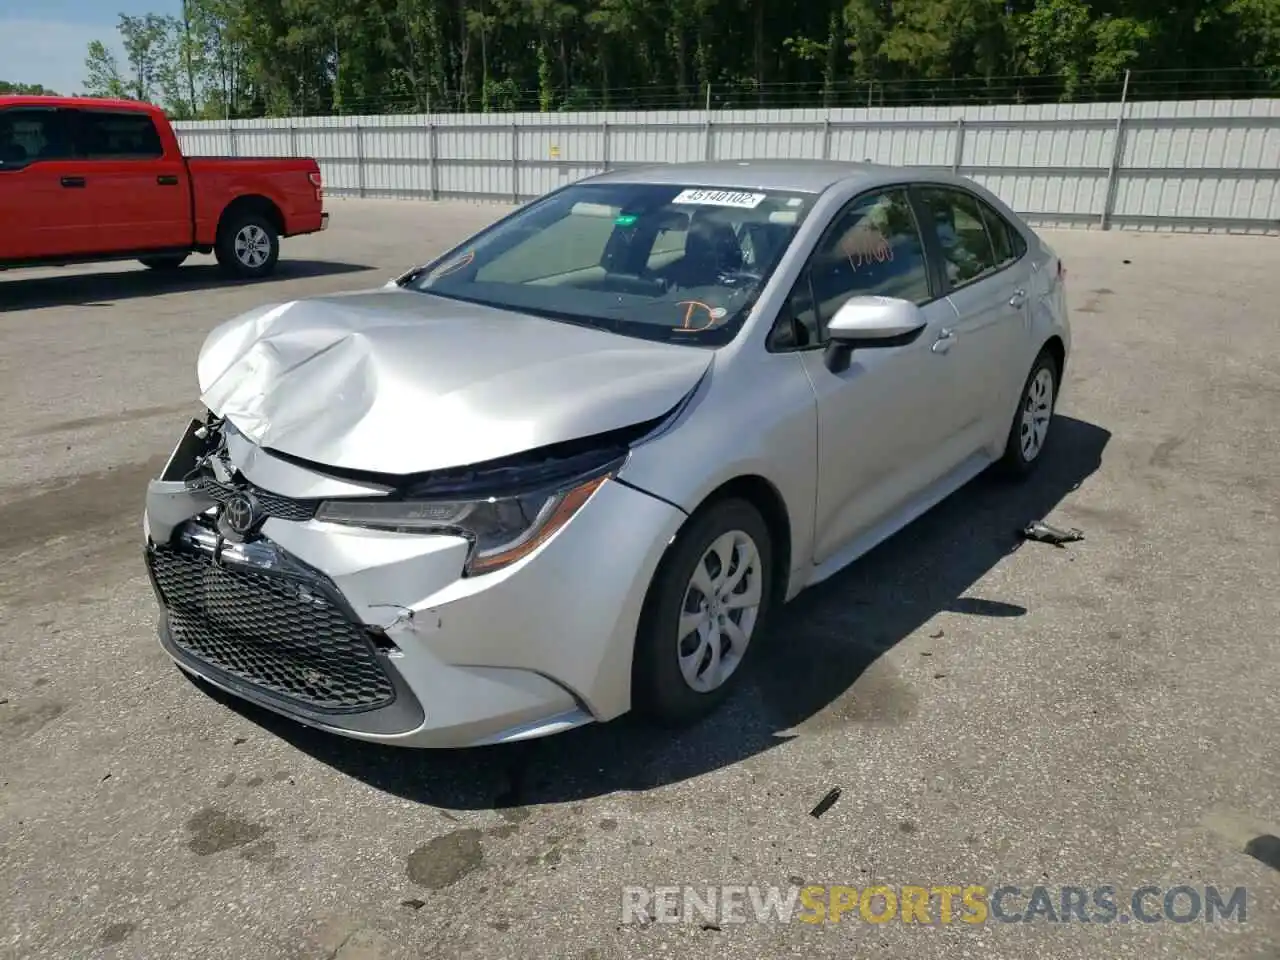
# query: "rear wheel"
248,245
168,262
1029,432
709,599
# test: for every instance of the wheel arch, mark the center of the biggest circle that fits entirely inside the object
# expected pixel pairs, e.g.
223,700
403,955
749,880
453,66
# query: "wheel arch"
252,203
1058,350
768,501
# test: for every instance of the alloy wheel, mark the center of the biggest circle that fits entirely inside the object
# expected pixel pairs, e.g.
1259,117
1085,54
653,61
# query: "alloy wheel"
720,609
1037,409
252,245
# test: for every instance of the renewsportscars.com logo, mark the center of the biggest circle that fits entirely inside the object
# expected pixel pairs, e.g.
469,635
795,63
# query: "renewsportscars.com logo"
934,904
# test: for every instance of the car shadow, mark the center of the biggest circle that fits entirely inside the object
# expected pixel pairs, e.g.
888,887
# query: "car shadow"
842,626
101,288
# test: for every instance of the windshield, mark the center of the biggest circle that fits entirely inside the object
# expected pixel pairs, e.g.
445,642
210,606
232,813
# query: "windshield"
659,261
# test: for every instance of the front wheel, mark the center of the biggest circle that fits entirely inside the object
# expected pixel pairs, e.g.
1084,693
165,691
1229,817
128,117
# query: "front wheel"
248,245
708,600
1029,432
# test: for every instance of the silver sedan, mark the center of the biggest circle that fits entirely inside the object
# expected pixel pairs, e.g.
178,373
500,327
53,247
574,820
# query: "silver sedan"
571,467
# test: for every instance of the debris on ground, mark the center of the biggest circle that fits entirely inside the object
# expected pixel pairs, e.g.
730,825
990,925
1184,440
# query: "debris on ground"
1265,849
936,636
1042,532
826,803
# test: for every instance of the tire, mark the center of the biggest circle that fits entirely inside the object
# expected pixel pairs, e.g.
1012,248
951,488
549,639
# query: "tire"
171,262
1030,431
661,693
248,245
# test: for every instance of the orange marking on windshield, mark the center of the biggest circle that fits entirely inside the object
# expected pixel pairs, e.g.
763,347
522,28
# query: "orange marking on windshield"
691,307
865,246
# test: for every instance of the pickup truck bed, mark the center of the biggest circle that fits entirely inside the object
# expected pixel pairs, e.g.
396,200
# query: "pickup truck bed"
106,180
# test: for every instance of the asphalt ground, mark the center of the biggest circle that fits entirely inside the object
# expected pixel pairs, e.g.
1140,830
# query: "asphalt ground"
1104,714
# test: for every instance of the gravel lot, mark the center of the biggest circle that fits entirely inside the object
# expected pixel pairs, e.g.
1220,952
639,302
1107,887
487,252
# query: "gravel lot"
1107,713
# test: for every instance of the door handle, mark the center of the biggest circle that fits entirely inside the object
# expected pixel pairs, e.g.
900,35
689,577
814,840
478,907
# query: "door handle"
72,182
1018,299
167,180
946,337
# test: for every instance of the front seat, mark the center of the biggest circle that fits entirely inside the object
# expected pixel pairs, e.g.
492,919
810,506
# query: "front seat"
10,150
710,249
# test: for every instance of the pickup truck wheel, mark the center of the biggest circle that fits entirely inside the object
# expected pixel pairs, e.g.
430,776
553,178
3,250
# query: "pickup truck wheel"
248,245
164,263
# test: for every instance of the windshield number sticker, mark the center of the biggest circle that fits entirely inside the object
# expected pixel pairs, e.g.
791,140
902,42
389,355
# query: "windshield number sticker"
721,198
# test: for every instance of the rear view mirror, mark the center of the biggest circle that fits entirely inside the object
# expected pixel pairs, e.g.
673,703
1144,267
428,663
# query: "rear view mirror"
871,322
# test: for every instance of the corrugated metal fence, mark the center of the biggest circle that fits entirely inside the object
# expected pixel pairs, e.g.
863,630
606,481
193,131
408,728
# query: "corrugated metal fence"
1211,164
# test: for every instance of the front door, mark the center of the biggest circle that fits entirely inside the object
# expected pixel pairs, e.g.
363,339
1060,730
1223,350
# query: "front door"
881,436
138,197
41,207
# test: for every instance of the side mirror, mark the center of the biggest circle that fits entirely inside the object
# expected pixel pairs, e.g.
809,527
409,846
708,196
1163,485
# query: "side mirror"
871,322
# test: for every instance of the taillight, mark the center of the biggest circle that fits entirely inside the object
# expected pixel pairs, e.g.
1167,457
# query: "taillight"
318,182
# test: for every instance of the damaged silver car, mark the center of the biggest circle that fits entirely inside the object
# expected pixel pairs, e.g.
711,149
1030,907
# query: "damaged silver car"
570,467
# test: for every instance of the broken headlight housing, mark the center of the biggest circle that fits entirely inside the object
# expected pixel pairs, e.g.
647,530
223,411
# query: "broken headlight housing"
502,529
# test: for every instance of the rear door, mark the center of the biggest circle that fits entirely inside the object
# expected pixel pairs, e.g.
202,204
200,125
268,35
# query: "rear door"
136,192
40,216
986,280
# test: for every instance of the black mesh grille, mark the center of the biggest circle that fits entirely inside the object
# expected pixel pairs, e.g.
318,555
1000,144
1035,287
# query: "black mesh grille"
283,634
273,505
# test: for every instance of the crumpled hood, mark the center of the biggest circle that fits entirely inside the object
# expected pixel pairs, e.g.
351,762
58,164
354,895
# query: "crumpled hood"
397,382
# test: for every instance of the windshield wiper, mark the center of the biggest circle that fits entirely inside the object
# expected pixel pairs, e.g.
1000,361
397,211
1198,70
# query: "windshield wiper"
413,275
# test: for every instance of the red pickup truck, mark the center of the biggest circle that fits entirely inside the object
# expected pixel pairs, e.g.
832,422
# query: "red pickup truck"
85,179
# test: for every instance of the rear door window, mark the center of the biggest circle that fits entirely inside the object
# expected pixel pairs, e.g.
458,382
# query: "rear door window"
968,250
117,135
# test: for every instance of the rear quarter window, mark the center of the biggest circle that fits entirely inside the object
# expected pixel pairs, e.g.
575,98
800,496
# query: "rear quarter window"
1006,240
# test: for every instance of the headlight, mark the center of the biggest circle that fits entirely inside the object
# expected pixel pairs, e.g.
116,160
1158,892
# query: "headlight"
501,529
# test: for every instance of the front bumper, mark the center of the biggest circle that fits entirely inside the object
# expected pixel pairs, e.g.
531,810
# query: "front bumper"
378,636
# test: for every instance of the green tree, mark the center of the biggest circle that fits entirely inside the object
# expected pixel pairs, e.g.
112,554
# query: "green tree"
103,73
25,89
148,47
238,58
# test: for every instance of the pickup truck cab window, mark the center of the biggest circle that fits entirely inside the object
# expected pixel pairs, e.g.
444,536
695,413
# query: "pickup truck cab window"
106,135
30,134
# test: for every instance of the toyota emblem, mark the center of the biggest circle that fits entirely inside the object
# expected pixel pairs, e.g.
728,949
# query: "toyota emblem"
241,514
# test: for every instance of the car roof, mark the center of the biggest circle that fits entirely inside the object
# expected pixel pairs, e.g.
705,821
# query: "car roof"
801,176
84,103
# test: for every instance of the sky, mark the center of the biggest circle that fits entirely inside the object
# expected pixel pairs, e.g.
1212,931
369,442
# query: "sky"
46,41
